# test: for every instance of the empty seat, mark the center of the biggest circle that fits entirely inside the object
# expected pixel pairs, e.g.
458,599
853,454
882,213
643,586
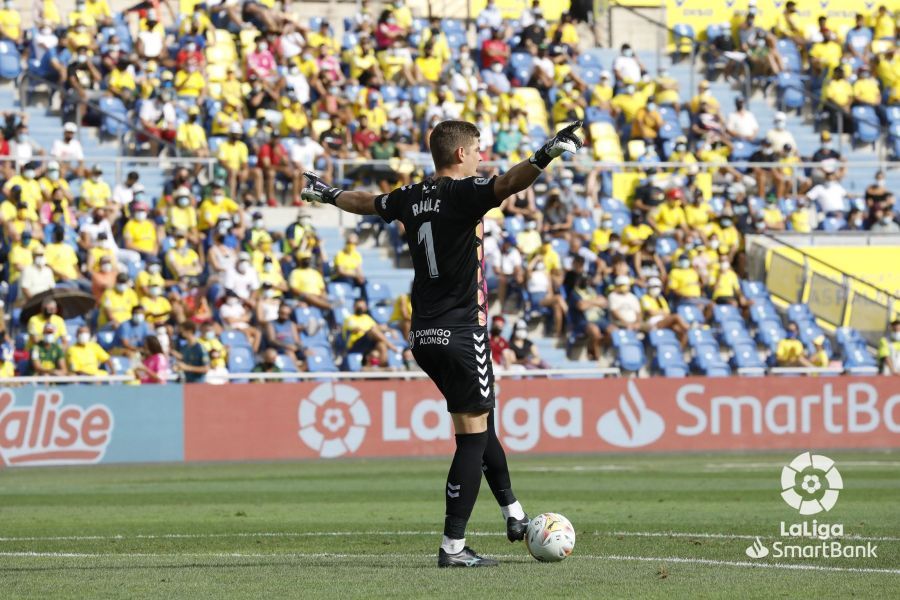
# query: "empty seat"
660,337
691,313
234,338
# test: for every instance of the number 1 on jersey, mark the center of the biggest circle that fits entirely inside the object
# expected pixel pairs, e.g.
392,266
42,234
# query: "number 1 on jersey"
426,235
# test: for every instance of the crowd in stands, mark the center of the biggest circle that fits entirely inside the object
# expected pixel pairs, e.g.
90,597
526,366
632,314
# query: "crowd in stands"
268,94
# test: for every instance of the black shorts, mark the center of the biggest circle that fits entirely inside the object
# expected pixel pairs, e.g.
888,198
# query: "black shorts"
458,360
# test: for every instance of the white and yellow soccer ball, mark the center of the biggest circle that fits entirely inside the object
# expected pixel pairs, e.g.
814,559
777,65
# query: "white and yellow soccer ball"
550,537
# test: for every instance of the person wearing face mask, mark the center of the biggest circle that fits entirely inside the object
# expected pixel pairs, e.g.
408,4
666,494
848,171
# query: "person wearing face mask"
38,322
878,196
95,192
728,235
684,282
29,188
190,135
883,221
268,266
181,216
69,152
525,352
10,23
307,284
627,67
627,102
282,334
889,350
647,123
348,264
243,280
193,360
140,233
182,260
727,287
790,351
52,181
47,354
85,357
501,355
624,306
215,206
131,333
658,315
154,367
82,79
233,156
363,335
36,277
832,161
117,302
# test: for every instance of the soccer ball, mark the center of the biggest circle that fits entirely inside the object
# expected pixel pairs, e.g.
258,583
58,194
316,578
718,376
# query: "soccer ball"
550,537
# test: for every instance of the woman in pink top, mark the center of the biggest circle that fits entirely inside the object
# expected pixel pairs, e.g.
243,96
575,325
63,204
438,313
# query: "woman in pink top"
261,61
155,367
387,30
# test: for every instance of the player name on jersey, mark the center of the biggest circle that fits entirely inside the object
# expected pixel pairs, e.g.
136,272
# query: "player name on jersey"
427,205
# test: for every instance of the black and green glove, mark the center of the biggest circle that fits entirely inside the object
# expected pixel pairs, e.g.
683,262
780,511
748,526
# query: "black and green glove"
317,191
564,141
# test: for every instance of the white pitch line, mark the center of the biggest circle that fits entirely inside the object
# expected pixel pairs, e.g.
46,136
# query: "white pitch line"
313,534
600,557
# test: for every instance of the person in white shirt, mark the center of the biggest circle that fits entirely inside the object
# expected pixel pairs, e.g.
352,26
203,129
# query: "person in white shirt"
742,124
509,269
69,152
490,17
22,147
36,277
830,195
243,279
624,307
780,136
627,67
304,153
123,193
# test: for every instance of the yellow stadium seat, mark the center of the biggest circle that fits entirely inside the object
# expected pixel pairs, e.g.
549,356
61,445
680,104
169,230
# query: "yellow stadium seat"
221,54
605,142
216,72
320,126
248,39
624,185
881,46
636,149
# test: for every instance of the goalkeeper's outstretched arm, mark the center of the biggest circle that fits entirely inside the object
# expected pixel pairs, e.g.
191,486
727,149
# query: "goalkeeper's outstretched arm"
360,203
523,174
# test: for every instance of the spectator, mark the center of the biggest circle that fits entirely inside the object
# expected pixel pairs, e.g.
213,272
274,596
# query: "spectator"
47,355
401,317
307,284
820,358
684,282
69,152
524,353
838,97
181,259
193,360
495,50
803,219
878,196
501,355
236,313
509,270
85,357
790,351
830,196
889,350
363,335
283,336
123,194
670,218
117,303
627,67
779,136
772,215
48,316
742,124
36,277
154,367
268,364
190,137
542,275
490,18
657,314
243,280
787,25
95,192
831,160
883,221
156,306
140,233
348,264
624,306
273,161
234,158
82,78
130,334
588,314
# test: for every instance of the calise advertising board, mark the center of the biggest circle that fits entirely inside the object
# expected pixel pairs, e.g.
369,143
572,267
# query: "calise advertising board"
277,421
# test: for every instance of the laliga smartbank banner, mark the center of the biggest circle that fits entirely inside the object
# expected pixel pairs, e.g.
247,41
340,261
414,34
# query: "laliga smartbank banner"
387,418
702,13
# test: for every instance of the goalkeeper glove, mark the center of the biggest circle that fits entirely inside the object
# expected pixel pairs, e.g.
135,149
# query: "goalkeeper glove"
564,141
317,191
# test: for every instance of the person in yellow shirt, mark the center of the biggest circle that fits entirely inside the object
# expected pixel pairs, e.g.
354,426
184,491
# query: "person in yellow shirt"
190,82
116,302
801,219
564,32
402,315
348,263
362,334
234,157
213,345
20,253
182,216
322,37
666,93
229,115
825,56
10,23
820,357
182,260
729,237
669,218
402,14
684,281
52,181
627,103
704,96
48,315
307,283
429,66
293,117
61,259
866,91
24,220
156,305
263,251
658,315
95,192
29,187
139,232
790,351
99,9
727,287
698,214
216,206
602,93
85,357
883,25
190,135
636,233
787,25
772,215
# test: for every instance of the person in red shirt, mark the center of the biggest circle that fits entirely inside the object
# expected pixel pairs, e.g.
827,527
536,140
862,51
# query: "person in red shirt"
494,50
499,345
364,137
273,160
190,53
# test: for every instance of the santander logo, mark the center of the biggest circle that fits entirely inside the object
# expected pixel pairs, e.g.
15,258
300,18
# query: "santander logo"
633,424
51,433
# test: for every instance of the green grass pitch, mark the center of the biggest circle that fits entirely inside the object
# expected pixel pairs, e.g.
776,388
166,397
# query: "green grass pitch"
648,526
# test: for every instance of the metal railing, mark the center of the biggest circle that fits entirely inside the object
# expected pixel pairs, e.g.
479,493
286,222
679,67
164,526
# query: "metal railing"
125,163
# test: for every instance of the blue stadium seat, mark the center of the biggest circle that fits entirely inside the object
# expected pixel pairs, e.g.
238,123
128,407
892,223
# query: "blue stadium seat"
866,128
621,337
669,115
584,225
742,150
699,336
858,361
799,312
595,114
319,339
353,362
10,60
378,293
691,313
790,91
847,335
833,223
286,365
240,360
660,337
892,114
381,314
669,360
745,356
121,364
105,337
560,245
591,58
320,360
707,361
735,333
763,311
725,312
754,289
790,54
590,75
666,246
769,333
303,315
341,292
630,357
234,338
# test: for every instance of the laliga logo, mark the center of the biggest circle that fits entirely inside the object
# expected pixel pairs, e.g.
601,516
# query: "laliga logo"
324,417
633,424
811,483
48,433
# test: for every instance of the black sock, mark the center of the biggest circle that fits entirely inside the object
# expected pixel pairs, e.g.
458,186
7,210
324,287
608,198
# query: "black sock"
463,482
494,466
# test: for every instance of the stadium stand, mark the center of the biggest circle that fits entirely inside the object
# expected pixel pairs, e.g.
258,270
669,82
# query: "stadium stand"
240,102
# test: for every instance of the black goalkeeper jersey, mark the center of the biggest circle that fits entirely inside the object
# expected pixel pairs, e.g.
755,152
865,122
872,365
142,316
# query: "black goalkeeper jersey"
442,218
